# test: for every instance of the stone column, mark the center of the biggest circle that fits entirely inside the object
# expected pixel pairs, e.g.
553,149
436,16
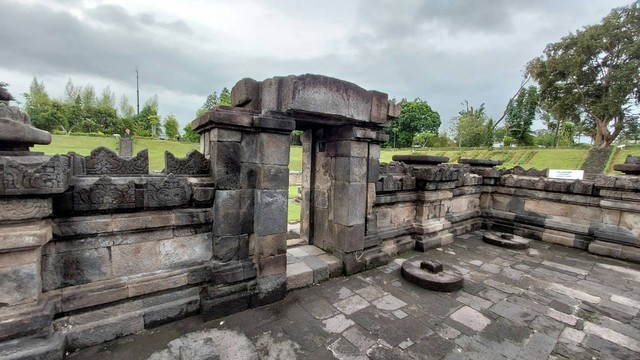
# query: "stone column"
249,155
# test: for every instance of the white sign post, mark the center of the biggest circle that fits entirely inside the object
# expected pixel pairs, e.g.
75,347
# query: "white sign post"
566,174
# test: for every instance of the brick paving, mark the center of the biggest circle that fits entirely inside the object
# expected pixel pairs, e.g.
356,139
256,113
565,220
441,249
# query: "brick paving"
545,302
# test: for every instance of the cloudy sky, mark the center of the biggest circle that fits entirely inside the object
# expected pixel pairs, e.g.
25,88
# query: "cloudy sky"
442,51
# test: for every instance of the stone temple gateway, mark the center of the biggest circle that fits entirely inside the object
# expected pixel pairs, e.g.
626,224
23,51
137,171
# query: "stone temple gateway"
94,247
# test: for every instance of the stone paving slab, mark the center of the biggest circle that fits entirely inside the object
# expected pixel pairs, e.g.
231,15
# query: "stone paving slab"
548,302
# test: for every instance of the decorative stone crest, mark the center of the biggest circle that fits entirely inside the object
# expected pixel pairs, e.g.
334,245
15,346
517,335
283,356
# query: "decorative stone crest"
104,194
193,164
167,191
103,161
50,177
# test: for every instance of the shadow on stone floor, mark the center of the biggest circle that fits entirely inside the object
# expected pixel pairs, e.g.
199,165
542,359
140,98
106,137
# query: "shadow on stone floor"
545,302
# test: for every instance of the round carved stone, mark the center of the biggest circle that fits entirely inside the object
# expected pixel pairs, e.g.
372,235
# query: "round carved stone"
480,162
421,159
505,240
431,274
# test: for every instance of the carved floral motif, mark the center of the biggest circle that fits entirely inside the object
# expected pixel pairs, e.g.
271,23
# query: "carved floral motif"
103,194
47,178
167,191
103,161
193,164
20,209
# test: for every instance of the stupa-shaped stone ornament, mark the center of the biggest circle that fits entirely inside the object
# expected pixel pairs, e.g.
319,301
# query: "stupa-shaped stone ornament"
16,133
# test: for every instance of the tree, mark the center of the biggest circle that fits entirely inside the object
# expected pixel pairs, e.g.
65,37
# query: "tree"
520,113
416,116
225,97
594,74
189,134
171,127
473,128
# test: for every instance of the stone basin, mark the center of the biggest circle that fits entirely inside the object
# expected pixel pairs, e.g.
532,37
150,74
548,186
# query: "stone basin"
431,275
505,240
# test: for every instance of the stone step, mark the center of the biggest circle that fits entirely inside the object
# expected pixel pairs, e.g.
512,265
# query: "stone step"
295,242
307,265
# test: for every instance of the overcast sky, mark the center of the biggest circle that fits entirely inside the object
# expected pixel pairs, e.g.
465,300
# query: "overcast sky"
444,51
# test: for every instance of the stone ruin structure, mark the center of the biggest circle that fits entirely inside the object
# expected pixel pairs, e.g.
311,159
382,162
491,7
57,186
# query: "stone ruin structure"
94,247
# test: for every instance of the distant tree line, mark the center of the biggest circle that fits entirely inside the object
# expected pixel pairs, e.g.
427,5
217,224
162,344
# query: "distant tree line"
82,110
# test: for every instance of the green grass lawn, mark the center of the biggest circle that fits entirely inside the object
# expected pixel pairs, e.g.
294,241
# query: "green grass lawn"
527,158
62,144
620,156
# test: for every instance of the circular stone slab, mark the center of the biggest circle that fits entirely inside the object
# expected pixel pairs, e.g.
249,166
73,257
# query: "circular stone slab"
505,240
418,270
421,159
480,162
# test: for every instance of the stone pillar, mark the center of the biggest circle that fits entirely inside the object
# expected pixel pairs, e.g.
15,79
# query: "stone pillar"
27,185
347,161
125,148
249,155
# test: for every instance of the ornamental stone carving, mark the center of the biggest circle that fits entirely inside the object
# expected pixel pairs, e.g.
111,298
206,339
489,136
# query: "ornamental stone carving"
103,161
105,193
167,191
23,178
193,164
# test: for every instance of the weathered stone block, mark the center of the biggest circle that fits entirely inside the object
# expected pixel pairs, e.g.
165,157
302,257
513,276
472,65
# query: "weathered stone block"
379,107
224,135
272,177
349,238
160,283
246,93
299,275
22,209
185,251
272,265
227,248
20,283
136,258
104,330
88,295
247,209
347,209
167,191
103,161
270,245
270,289
226,212
156,317
277,123
351,169
270,212
125,147
272,149
218,307
226,165
22,235
347,148
373,170
75,268
104,193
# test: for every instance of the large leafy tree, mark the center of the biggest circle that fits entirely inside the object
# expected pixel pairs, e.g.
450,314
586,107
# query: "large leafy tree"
519,116
416,117
594,74
473,128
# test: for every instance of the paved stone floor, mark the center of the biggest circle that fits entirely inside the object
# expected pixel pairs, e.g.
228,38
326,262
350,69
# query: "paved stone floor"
545,302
